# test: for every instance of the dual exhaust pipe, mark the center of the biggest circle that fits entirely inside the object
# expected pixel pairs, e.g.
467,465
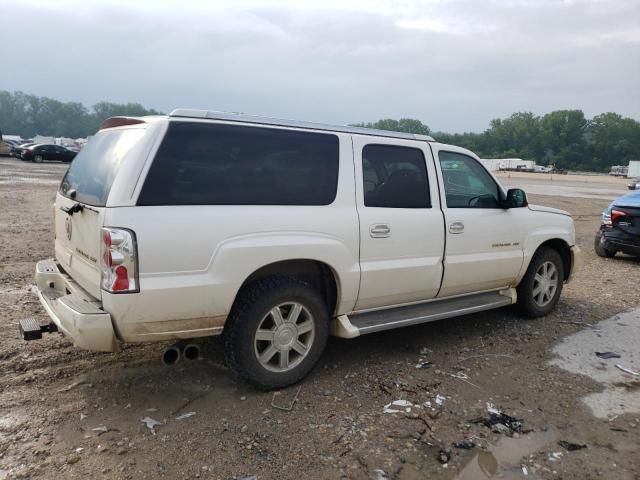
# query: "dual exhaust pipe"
173,354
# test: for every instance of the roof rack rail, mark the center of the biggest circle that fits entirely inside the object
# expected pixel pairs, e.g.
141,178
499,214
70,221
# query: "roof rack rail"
242,118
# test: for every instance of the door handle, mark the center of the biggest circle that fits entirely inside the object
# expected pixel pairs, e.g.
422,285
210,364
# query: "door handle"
380,230
456,227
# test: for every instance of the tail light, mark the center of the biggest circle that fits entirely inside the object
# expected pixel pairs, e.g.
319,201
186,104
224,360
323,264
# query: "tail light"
119,261
616,215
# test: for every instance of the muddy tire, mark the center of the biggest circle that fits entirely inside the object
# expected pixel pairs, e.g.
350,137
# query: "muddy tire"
276,332
601,251
540,288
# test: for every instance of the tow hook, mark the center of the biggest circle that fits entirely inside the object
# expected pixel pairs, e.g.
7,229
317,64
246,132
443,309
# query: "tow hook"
31,329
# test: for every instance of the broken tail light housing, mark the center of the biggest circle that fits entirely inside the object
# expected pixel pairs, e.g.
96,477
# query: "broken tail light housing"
119,261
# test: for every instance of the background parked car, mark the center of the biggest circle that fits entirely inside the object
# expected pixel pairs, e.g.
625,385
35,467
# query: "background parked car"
39,153
17,151
634,184
620,229
5,148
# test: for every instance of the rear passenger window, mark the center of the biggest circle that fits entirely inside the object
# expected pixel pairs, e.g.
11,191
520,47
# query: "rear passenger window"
213,164
394,177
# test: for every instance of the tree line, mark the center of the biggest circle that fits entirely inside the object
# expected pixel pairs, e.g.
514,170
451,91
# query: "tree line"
28,115
564,138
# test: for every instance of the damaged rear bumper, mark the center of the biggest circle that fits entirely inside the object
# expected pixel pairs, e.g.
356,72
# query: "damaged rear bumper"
76,313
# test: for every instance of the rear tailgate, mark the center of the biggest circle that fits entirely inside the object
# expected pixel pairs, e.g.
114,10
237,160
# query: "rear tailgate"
81,203
78,241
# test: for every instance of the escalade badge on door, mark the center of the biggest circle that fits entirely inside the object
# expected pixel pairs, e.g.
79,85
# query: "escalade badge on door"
67,227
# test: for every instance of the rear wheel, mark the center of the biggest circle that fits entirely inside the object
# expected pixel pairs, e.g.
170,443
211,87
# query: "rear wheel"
540,288
599,247
38,159
276,332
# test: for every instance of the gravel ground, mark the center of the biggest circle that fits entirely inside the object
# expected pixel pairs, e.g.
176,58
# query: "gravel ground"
68,413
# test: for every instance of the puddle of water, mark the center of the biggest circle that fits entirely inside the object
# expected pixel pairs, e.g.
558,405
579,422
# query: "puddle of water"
576,354
505,457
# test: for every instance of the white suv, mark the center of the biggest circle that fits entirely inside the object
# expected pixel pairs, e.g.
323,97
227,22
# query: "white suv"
277,233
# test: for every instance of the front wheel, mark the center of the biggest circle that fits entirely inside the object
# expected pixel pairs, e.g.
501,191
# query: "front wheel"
540,288
276,332
38,159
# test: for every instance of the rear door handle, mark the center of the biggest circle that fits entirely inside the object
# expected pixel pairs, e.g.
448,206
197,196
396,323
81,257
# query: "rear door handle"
456,227
380,230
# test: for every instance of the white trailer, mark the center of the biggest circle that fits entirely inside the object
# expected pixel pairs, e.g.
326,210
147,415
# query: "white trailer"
634,169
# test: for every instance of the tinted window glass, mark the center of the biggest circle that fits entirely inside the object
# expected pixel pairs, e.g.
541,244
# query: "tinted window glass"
394,177
206,164
466,183
93,170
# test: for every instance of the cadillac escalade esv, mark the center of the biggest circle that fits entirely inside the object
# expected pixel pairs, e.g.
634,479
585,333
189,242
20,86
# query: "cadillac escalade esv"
276,233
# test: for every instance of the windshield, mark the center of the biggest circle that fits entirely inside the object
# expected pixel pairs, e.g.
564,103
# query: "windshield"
93,170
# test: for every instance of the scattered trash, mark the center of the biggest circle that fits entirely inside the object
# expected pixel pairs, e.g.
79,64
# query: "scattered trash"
444,455
607,355
626,370
100,429
464,377
403,404
286,408
425,351
466,444
570,446
440,400
424,363
74,385
555,456
152,409
525,471
151,423
83,416
499,422
185,415
378,474
79,449
618,429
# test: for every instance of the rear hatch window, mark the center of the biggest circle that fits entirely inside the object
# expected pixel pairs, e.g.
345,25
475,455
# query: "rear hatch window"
93,170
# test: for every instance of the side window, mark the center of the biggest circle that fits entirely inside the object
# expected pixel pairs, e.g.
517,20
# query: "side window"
466,183
394,177
214,164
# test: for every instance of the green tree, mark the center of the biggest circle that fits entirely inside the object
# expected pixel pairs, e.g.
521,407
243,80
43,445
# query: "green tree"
564,136
406,125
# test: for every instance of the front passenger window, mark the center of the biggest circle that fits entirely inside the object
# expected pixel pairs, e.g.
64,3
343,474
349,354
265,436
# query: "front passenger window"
466,183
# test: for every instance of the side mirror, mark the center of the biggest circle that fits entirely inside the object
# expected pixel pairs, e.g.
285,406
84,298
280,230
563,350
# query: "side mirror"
516,198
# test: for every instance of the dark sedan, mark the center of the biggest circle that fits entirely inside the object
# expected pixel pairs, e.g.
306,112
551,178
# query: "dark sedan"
39,153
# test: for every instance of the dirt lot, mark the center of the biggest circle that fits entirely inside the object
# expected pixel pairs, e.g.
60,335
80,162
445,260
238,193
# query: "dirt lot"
67,413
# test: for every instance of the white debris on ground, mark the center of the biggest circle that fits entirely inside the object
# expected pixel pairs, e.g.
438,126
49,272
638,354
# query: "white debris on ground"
398,406
576,354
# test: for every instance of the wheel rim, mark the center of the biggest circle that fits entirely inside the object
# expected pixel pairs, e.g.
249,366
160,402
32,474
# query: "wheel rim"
284,337
545,284
38,159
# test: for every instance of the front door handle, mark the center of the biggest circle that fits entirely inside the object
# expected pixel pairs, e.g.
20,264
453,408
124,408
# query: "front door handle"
380,230
456,227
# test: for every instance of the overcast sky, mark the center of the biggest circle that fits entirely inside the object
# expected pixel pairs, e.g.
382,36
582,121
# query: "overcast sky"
454,64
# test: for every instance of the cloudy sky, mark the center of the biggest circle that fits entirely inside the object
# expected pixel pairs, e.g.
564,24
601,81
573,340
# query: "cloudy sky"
454,64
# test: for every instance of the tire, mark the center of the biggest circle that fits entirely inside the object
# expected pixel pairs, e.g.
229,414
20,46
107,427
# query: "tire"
253,315
38,159
601,251
537,304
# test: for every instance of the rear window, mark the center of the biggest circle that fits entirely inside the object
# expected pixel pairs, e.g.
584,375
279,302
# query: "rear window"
93,170
212,164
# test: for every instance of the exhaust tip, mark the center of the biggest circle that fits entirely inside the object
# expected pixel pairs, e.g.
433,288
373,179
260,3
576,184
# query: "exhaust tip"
191,351
171,356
